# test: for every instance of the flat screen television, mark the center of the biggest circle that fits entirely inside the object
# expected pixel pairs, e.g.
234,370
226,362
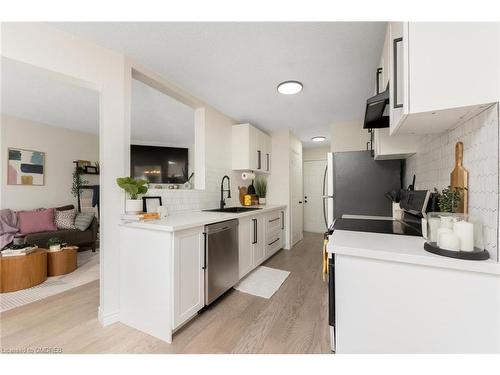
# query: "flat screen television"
167,165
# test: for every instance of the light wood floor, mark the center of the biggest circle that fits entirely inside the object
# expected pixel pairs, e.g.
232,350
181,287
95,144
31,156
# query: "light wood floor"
294,320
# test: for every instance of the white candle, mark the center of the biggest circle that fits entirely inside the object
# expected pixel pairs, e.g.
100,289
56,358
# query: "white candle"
465,232
449,241
439,232
446,222
433,223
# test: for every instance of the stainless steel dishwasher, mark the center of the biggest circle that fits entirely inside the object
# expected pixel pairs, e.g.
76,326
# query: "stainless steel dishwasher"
221,258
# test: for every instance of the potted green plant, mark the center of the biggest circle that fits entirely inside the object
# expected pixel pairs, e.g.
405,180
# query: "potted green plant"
449,199
133,187
54,244
261,189
78,181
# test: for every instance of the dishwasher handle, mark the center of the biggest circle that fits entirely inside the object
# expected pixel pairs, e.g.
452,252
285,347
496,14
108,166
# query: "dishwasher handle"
204,267
218,230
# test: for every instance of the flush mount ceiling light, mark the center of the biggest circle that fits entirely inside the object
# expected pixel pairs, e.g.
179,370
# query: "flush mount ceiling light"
290,87
319,138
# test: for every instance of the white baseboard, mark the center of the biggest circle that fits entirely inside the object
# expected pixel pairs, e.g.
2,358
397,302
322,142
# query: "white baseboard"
108,318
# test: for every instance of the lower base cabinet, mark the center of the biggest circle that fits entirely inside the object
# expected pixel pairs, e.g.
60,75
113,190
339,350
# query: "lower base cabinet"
273,233
245,236
258,244
189,276
260,237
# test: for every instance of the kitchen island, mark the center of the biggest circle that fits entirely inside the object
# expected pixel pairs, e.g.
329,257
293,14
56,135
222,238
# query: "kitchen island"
391,296
162,264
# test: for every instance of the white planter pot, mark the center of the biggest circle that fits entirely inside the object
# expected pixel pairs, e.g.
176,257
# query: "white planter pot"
54,248
133,206
262,200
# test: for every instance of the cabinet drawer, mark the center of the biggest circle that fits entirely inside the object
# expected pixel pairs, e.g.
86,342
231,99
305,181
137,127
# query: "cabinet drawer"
273,244
273,222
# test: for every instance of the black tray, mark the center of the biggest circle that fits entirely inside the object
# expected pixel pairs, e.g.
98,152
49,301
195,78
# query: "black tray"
477,254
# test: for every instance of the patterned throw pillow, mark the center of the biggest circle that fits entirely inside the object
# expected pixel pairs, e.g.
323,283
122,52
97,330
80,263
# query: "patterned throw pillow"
65,219
83,220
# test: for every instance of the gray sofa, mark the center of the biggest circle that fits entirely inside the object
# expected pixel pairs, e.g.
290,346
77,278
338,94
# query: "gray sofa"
83,239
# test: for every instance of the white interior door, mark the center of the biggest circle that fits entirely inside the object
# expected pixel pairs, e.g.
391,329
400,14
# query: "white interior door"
297,213
314,171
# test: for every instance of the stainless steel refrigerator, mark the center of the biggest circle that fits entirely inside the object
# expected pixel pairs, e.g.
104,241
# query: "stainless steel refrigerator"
356,184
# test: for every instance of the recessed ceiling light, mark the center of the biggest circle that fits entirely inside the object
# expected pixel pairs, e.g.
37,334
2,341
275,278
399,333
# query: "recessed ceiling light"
290,87
319,138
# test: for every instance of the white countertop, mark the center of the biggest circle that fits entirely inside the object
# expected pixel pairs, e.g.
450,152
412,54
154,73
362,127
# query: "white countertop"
193,219
403,249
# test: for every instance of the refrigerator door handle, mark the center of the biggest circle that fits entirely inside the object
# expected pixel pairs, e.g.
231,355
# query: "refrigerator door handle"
325,197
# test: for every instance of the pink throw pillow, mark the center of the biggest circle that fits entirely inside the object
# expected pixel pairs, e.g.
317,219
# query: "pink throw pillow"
36,221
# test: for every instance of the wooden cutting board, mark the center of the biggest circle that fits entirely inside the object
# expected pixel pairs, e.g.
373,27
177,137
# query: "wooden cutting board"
459,178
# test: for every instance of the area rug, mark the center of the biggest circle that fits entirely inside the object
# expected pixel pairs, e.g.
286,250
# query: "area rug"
262,282
87,271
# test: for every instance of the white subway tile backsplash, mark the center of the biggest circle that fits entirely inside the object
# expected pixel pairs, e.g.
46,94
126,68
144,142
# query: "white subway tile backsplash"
178,201
435,159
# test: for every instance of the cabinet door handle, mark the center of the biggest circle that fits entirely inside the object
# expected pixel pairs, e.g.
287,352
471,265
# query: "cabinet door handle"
379,73
395,70
259,162
276,240
254,231
282,219
205,252
267,162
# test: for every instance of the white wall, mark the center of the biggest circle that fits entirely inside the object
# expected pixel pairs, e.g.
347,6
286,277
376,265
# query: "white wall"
349,136
316,153
88,65
279,190
435,160
61,147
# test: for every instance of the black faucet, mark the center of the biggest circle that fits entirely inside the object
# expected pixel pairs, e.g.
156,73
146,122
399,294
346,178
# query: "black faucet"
222,201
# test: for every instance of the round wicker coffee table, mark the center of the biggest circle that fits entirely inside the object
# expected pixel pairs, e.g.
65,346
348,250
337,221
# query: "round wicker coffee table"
24,271
61,262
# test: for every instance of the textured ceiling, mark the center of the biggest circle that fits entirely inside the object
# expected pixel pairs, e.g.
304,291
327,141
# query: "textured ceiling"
158,118
34,94
236,67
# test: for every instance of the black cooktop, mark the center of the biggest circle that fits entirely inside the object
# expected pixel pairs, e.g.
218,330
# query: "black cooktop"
378,226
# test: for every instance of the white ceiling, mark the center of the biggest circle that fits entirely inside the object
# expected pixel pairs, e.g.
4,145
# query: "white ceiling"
34,94
236,67
158,118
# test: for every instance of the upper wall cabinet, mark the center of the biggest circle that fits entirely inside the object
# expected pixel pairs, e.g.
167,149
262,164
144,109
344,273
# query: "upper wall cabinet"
251,149
441,74
386,147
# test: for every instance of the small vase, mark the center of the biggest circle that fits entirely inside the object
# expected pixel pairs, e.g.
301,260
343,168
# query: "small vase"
262,200
54,248
133,206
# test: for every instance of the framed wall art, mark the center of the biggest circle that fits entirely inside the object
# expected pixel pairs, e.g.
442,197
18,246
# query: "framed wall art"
25,167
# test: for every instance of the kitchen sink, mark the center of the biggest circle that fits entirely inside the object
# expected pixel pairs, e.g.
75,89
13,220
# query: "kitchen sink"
234,209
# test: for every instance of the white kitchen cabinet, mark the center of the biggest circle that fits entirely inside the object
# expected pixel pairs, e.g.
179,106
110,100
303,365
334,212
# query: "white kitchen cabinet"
383,76
384,145
441,73
260,236
189,281
245,236
387,147
258,240
273,233
251,149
